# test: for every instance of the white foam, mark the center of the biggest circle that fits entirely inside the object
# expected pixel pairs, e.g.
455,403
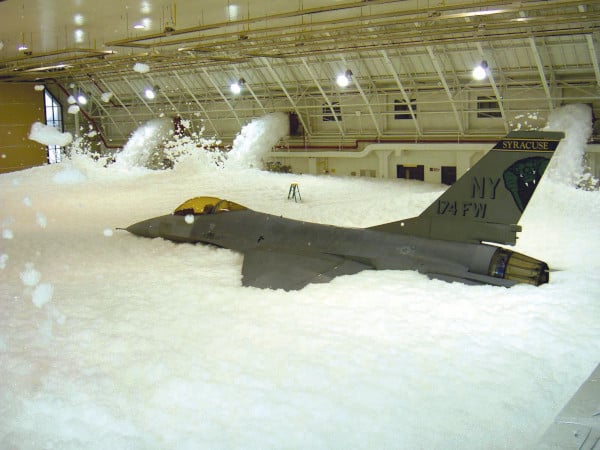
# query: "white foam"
164,333
106,96
42,294
576,121
48,135
30,276
257,138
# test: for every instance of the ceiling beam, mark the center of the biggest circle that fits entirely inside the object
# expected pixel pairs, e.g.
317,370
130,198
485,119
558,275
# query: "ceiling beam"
388,62
325,96
225,99
490,74
594,56
138,95
277,79
249,87
440,71
92,85
364,97
164,94
540,67
189,91
116,97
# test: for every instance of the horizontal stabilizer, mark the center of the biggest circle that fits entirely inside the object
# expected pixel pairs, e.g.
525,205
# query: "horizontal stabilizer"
275,269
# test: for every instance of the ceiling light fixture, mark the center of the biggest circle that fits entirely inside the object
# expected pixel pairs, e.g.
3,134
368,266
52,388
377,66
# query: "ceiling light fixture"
236,86
79,35
22,46
343,79
480,71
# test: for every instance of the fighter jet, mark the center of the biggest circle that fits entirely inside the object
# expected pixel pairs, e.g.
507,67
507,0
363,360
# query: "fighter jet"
451,240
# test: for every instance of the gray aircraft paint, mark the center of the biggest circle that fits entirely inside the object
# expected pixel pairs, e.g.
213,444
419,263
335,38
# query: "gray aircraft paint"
445,241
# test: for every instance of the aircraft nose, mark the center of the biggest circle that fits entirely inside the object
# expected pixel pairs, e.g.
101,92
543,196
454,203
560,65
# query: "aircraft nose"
145,228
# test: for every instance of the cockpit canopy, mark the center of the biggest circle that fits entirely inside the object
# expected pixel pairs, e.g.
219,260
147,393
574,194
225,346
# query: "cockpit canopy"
206,205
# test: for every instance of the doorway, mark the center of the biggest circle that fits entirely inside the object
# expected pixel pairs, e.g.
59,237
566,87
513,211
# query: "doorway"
410,172
448,175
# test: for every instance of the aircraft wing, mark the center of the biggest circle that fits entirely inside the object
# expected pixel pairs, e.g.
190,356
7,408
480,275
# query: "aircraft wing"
577,426
276,269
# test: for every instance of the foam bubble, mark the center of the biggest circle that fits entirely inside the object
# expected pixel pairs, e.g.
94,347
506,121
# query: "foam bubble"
42,294
30,276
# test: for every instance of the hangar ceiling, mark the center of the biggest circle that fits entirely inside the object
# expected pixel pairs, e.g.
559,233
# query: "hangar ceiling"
419,54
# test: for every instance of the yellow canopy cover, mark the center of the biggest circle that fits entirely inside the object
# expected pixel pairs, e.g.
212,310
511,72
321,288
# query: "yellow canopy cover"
206,205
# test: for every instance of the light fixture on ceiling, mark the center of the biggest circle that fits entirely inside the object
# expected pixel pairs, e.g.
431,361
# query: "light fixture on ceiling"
232,12
480,71
145,8
22,46
139,26
81,99
150,93
343,79
236,86
79,35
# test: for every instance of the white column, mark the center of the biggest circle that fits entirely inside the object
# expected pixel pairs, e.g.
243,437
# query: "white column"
312,166
384,163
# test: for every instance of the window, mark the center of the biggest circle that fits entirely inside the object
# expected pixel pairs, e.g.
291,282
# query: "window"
53,119
328,114
487,108
402,111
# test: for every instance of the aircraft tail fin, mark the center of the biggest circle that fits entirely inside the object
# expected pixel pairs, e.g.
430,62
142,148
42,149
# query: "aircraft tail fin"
487,202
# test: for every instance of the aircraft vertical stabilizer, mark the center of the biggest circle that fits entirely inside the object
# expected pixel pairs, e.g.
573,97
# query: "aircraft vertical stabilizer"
487,202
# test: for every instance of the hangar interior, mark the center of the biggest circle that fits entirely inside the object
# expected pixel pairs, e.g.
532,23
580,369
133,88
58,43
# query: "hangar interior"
410,93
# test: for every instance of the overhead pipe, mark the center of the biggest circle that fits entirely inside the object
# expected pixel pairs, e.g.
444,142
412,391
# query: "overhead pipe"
430,14
314,45
427,35
87,117
130,42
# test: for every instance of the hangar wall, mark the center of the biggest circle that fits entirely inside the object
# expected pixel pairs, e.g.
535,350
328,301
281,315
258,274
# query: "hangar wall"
527,107
438,162
338,148
20,106
429,162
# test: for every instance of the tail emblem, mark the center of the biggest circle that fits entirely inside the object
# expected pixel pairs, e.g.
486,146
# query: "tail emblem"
522,178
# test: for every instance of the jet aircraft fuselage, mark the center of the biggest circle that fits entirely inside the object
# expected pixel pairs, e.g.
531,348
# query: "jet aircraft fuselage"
249,230
449,240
